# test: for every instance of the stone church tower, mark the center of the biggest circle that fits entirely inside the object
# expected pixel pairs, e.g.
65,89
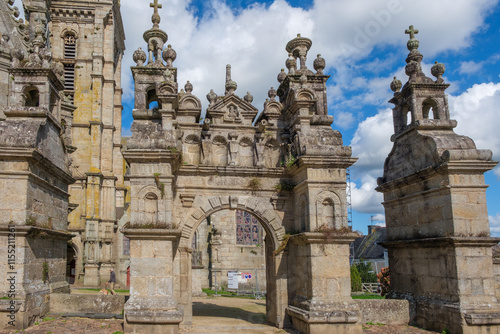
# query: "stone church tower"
88,38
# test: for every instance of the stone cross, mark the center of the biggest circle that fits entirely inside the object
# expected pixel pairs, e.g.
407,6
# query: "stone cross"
411,32
155,5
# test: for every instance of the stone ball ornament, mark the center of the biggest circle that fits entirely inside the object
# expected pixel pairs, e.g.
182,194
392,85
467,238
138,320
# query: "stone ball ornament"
169,55
319,64
139,57
396,85
282,76
438,70
188,87
248,97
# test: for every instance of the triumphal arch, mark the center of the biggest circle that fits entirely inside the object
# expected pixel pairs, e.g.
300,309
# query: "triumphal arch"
287,167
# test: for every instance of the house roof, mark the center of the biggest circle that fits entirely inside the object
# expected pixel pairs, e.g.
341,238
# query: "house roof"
367,247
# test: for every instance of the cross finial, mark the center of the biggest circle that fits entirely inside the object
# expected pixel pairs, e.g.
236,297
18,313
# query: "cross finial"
155,5
411,31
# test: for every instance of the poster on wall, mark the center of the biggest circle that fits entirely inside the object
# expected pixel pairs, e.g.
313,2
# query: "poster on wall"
232,280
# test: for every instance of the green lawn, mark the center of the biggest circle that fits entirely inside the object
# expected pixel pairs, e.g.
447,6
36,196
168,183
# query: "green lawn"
368,296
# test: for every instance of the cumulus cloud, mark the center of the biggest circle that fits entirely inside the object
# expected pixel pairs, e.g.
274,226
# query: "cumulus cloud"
476,111
253,39
470,67
364,198
371,144
495,225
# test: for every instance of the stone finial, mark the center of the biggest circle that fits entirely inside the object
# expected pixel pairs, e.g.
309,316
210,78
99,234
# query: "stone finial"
298,47
396,85
319,64
272,94
438,70
188,87
291,64
212,97
231,85
156,19
413,43
281,76
139,57
169,55
248,97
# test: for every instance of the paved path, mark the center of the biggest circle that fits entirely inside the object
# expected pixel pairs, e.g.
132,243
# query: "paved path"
211,315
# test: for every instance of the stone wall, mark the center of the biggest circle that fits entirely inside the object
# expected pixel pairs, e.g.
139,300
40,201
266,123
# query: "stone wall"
76,303
384,311
496,270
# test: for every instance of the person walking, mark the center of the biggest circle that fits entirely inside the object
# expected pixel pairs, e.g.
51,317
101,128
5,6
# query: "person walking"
111,282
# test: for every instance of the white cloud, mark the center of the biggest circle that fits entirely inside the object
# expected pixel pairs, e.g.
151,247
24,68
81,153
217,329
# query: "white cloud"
476,112
495,225
377,218
371,144
253,39
470,67
365,199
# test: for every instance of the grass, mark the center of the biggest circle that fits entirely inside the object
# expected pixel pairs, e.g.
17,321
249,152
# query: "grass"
368,296
211,293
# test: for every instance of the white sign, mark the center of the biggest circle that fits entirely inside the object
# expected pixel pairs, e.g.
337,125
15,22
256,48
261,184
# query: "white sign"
232,280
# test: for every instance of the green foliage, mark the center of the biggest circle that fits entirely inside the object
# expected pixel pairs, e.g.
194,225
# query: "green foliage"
283,244
364,271
446,331
254,184
284,185
45,271
355,279
367,296
159,185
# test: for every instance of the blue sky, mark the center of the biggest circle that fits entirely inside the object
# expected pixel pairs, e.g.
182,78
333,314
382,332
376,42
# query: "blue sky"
364,45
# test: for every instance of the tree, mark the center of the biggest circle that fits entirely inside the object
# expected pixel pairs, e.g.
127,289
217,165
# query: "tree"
355,279
366,273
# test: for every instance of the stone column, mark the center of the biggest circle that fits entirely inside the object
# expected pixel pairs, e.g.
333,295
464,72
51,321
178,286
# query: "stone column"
152,307
320,283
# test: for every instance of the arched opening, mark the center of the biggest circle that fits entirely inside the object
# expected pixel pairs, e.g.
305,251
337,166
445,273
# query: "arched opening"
232,255
152,100
71,264
32,97
427,106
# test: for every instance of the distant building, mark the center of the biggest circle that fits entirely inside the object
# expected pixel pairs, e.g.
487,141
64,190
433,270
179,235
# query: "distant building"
368,249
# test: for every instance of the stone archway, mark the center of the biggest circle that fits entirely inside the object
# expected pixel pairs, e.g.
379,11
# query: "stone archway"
262,210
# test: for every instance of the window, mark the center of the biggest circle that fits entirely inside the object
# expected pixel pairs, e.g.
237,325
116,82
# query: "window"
126,246
247,229
70,46
69,68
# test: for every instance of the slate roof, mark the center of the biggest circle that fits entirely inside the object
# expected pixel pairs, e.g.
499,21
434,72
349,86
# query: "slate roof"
367,247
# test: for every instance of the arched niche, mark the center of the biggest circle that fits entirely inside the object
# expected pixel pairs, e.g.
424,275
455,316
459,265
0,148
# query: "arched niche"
272,153
246,152
191,150
328,206
219,151
31,97
150,208
150,205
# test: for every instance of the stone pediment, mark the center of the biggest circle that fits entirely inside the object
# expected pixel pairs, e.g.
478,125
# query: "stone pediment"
232,110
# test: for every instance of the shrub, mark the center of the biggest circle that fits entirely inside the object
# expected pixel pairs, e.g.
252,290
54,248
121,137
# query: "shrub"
355,279
384,280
